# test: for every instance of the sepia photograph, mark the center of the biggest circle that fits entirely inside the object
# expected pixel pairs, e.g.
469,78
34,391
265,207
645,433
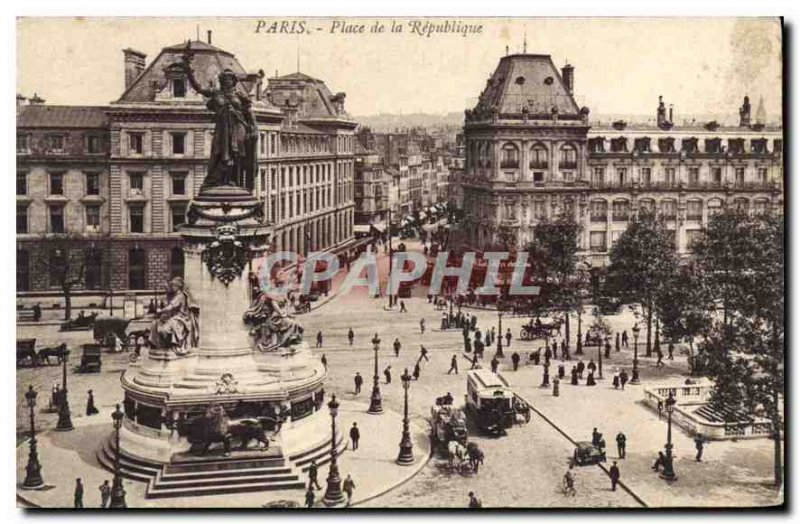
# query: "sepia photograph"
400,263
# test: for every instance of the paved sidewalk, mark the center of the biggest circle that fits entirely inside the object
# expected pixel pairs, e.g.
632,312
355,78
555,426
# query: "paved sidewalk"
66,456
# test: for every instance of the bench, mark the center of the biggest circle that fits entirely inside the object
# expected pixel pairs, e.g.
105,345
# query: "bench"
25,315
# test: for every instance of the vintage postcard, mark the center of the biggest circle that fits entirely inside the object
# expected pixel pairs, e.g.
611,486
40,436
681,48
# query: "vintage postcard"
398,263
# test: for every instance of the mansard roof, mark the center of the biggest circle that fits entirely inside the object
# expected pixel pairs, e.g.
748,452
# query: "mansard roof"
74,117
309,96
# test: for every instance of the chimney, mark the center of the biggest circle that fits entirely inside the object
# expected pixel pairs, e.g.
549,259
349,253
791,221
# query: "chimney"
671,107
209,36
20,102
568,75
134,65
661,112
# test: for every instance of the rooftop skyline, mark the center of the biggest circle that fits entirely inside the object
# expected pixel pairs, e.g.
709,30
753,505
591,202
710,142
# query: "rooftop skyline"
621,65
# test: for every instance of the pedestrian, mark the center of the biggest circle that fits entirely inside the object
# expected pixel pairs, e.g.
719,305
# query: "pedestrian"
660,408
355,435
423,353
397,346
467,345
319,339
615,380
350,335
670,351
474,501
444,326
596,435
616,342
623,379
590,379
607,353
625,338
358,380
564,350
495,363
659,461
91,409
537,356
105,493
324,361
547,355
554,354
453,365
509,336
561,371
592,367
37,312
556,383
473,323
613,472
581,367
574,376
474,361
387,374
699,441
348,488
515,360
488,338
660,355
312,475
494,335
78,493
621,440
403,307
422,326
310,496
416,371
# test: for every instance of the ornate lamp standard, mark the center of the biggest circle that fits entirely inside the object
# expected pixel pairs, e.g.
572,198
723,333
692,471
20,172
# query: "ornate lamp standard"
117,491
635,372
33,471
406,455
599,362
375,401
579,342
64,420
499,352
669,473
333,494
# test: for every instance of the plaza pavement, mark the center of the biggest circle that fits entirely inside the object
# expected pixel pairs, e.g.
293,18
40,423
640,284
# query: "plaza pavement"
523,469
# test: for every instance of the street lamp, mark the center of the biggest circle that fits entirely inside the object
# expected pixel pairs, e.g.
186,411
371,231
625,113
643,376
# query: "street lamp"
579,343
499,352
333,494
33,471
406,455
635,372
64,420
599,362
669,473
546,377
375,401
117,491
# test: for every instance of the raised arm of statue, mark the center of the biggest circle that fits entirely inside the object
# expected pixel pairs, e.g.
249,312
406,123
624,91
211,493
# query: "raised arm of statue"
188,55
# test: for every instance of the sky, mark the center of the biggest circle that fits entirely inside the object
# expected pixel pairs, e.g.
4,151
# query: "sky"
701,65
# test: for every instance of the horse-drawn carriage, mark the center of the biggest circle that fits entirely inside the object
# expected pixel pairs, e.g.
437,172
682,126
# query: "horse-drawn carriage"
489,401
91,361
587,453
26,352
448,423
537,329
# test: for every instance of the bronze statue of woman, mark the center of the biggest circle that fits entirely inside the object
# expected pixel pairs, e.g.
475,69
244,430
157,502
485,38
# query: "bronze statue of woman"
233,150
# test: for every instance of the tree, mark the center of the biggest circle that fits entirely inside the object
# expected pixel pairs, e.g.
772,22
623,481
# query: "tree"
554,247
744,352
642,261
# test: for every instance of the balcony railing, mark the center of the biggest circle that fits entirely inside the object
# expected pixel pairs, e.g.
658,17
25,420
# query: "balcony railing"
694,216
538,165
620,217
568,165
598,218
509,164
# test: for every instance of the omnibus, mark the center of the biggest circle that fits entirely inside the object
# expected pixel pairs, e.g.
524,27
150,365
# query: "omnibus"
490,401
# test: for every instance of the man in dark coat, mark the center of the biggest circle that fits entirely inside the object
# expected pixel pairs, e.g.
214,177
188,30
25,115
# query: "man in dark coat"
495,363
310,497
561,371
564,350
608,349
596,435
358,380
423,353
621,440
581,367
355,436
623,379
699,441
613,472
515,360
312,475
91,409
574,376
592,367
416,372
509,336
616,342
625,338
350,335
474,361
319,339
671,351
453,365
78,495
396,346
547,355
387,374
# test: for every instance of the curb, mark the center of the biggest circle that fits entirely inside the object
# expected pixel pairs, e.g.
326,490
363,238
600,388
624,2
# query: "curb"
624,486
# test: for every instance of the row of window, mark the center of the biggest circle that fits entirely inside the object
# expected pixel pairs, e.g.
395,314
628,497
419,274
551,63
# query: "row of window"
510,156
669,178
57,183
688,145
56,143
94,277
598,240
136,218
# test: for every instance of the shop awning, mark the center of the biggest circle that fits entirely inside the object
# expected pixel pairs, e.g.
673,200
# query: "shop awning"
361,229
380,227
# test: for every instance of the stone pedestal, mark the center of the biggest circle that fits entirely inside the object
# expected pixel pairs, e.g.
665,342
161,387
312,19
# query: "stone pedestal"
165,390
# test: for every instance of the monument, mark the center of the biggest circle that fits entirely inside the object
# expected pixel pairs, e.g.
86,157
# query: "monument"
228,397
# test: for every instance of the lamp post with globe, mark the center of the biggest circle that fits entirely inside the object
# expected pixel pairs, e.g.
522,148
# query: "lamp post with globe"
375,401
117,491
64,415
669,472
33,471
333,494
635,372
406,455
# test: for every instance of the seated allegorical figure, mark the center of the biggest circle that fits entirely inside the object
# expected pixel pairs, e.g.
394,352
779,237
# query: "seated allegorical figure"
272,326
175,326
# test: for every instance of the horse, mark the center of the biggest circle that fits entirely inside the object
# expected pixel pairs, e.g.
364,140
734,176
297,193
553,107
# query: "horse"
475,456
455,452
59,352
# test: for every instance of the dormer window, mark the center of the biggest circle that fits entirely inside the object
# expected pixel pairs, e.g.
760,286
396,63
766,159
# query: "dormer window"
178,88
666,145
758,146
642,145
596,145
713,145
619,145
689,145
